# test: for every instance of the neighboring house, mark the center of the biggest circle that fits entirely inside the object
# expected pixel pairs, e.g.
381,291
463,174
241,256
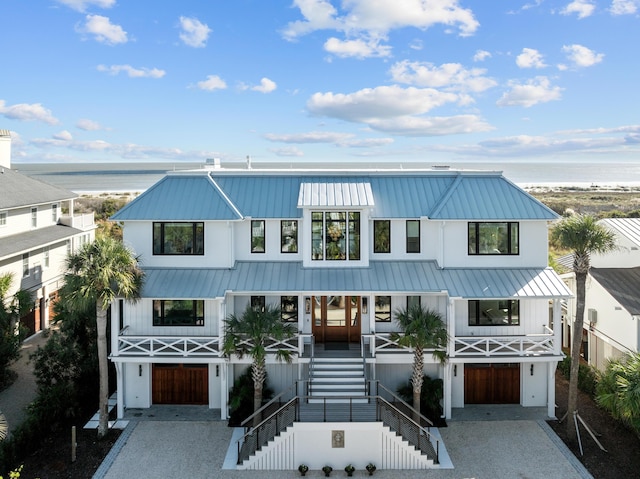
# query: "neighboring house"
612,303
340,251
38,229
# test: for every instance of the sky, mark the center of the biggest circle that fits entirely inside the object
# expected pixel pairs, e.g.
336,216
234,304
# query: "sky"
436,81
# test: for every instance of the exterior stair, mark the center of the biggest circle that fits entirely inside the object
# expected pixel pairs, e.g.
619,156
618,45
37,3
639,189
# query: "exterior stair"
337,380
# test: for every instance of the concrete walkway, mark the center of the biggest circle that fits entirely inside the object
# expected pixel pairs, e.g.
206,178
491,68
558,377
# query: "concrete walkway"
19,395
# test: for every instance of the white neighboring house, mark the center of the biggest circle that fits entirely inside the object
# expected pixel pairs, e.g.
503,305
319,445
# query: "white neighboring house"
38,229
612,302
339,251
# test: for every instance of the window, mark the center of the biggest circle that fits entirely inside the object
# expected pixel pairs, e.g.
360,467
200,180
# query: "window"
184,312
413,236
258,303
178,238
25,265
335,235
289,236
257,236
54,213
289,308
383,309
45,253
3,218
382,236
412,301
494,313
34,217
493,238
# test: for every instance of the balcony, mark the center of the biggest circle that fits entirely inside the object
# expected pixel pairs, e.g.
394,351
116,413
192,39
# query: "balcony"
83,222
168,346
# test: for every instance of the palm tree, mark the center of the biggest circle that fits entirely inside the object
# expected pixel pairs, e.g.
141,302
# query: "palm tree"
422,328
250,334
584,236
97,274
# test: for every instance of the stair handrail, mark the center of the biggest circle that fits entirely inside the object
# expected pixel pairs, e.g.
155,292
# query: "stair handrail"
403,402
247,422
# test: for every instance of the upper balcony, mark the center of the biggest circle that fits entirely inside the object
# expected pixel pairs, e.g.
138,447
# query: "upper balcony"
84,222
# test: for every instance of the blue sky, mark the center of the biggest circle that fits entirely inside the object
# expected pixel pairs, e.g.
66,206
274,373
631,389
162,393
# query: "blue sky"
439,81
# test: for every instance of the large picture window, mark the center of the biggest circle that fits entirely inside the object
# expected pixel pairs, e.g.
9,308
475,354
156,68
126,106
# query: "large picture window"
494,312
383,308
257,236
178,238
289,308
493,238
413,236
382,236
335,235
184,312
289,236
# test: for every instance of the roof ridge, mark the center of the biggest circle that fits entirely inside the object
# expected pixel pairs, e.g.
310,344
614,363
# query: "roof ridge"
226,198
436,209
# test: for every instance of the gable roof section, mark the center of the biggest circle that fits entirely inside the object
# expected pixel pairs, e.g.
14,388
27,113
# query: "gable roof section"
621,283
17,190
180,198
627,227
279,277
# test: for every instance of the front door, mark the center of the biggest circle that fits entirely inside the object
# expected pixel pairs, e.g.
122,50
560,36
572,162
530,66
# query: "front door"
336,318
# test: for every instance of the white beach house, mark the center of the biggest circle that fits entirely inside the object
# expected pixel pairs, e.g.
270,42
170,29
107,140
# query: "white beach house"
339,251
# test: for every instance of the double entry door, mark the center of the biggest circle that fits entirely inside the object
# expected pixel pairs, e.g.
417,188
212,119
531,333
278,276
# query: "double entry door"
336,318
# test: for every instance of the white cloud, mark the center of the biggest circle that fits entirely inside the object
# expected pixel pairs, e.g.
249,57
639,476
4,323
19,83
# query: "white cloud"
481,55
431,126
131,71
103,30
88,125
266,86
213,82
537,90
380,16
359,48
530,58
289,151
194,32
416,44
452,76
64,135
583,8
81,5
624,7
27,112
310,137
582,56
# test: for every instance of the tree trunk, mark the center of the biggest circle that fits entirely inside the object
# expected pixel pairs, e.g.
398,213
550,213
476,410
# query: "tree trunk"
103,369
576,343
258,374
416,381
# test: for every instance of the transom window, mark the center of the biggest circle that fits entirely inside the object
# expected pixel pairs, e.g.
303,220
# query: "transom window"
383,308
493,238
257,236
184,312
178,238
289,308
494,312
335,235
413,236
289,236
382,236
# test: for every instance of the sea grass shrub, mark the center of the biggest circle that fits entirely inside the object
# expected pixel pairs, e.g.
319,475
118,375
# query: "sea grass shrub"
618,390
587,376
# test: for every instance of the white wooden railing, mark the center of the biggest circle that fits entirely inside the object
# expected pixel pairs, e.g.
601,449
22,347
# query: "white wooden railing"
81,221
181,346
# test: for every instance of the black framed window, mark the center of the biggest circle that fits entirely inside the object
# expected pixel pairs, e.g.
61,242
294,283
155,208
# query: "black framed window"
258,303
413,236
178,238
383,309
289,236
289,308
257,236
494,312
382,236
413,301
494,238
183,312
335,235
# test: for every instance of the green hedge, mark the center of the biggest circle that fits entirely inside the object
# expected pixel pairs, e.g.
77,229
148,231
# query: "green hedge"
587,376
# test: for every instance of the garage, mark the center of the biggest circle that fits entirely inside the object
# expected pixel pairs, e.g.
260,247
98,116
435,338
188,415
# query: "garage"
180,384
492,384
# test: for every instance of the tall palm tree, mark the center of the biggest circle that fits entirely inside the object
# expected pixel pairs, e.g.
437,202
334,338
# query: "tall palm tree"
250,334
422,328
584,236
98,273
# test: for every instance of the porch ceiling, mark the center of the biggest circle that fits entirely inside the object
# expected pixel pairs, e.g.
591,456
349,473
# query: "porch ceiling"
391,277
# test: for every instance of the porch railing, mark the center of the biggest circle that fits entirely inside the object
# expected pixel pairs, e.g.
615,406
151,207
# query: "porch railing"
177,346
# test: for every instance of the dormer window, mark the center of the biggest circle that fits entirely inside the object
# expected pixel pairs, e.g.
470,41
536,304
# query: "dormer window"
335,235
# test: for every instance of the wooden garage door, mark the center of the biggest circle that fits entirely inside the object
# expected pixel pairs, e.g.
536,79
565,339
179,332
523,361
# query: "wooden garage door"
492,384
180,384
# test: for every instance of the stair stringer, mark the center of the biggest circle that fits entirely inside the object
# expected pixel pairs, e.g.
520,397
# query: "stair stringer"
398,453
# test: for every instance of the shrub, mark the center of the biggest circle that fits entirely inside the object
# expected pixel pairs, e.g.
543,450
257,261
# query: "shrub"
618,390
241,398
430,398
587,376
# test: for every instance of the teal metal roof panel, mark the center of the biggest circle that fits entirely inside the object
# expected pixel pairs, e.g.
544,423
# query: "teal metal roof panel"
335,194
382,276
180,198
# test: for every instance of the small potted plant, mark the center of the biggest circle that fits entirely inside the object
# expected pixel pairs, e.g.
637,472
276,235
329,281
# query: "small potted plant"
370,468
303,468
349,470
327,470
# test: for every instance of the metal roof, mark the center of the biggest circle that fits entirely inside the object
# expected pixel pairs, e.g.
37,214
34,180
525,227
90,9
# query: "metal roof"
395,194
392,277
621,283
627,227
332,194
38,238
18,190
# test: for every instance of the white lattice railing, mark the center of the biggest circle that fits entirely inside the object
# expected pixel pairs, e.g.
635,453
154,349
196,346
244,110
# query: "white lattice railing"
273,345
168,346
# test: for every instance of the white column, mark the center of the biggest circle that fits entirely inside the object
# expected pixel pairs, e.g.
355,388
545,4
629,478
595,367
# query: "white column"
551,388
447,390
557,327
224,390
448,376
120,389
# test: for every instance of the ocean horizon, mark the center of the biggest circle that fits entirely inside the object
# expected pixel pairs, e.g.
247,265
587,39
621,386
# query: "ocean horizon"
137,177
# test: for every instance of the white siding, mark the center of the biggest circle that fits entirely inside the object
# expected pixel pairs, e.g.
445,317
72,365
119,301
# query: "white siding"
139,318
534,315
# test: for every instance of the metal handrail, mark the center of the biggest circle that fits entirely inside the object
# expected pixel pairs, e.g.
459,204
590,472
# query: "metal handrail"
400,400
269,404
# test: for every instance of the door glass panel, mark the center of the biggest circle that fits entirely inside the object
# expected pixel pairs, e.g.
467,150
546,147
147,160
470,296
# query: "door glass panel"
336,311
317,310
354,310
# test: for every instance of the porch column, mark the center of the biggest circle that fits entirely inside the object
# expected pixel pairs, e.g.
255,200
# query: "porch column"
451,352
551,388
120,389
557,327
447,390
224,390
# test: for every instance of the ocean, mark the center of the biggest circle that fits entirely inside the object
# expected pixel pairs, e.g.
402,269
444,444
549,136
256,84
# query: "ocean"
137,177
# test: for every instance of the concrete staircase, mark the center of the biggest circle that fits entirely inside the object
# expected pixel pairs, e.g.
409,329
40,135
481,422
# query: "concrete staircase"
337,379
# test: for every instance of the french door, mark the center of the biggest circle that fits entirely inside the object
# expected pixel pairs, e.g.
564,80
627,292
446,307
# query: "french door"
336,318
